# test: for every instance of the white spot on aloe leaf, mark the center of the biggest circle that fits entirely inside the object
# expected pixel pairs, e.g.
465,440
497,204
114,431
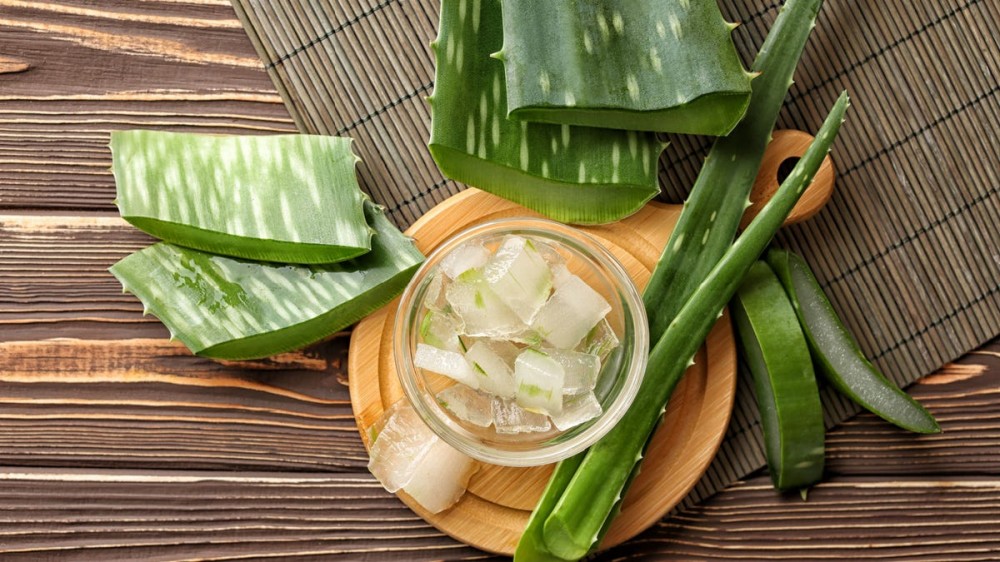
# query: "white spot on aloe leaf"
496,89
477,8
544,83
565,135
570,99
679,242
496,131
661,29
449,49
602,24
470,136
633,86
704,239
459,52
555,145
462,8
685,4
582,177
618,22
714,214
675,26
645,158
545,168
483,110
654,59
588,45
633,144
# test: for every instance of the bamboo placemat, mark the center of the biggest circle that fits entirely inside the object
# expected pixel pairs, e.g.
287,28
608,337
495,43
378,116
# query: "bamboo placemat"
908,247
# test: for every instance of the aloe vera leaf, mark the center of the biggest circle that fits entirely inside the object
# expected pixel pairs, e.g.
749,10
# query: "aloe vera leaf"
571,174
531,547
281,198
777,354
837,353
658,65
580,513
234,309
712,213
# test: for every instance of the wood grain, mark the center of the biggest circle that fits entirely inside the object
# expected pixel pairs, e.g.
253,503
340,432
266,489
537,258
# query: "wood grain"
84,71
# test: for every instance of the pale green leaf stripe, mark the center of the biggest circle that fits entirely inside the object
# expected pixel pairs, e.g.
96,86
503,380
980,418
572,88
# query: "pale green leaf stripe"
233,309
654,65
572,174
281,198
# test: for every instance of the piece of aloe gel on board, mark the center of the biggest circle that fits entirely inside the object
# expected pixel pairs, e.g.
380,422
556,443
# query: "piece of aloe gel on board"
570,174
654,65
280,198
234,309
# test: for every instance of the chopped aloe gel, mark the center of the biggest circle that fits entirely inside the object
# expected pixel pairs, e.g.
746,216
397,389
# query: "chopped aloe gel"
451,364
539,381
442,330
580,369
482,310
509,418
494,371
401,443
519,275
600,341
577,410
570,313
471,255
441,477
524,336
467,404
406,455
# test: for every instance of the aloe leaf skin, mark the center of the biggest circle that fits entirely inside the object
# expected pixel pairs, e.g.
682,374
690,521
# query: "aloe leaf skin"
712,213
228,308
656,65
841,361
571,174
580,513
281,198
531,547
777,354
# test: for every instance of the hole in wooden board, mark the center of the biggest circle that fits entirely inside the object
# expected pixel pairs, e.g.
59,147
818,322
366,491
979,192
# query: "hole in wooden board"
786,167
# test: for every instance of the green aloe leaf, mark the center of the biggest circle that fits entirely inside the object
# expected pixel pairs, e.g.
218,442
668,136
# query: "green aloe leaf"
655,65
572,174
233,309
282,198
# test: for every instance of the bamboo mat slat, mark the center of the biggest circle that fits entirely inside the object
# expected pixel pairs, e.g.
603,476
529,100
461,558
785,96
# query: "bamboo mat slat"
909,246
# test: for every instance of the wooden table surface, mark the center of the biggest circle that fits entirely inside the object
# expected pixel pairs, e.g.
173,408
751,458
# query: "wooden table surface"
116,444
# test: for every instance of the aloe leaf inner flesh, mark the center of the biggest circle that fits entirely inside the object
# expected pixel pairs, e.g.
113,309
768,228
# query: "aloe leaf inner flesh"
281,198
571,174
840,359
229,308
655,65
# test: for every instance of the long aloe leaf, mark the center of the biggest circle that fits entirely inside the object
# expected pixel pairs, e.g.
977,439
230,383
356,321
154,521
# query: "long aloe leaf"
579,515
282,198
655,65
233,309
572,174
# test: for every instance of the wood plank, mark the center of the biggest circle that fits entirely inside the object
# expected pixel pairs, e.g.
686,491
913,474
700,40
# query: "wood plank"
145,65
124,515
149,403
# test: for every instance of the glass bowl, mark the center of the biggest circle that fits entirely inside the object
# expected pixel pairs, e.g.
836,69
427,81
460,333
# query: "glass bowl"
621,372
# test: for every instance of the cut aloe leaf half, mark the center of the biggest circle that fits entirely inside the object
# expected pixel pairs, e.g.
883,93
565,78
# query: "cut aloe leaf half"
282,198
571,174
234,309
655,65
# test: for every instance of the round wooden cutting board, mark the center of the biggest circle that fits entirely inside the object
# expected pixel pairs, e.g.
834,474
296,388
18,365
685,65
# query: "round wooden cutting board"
495,510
